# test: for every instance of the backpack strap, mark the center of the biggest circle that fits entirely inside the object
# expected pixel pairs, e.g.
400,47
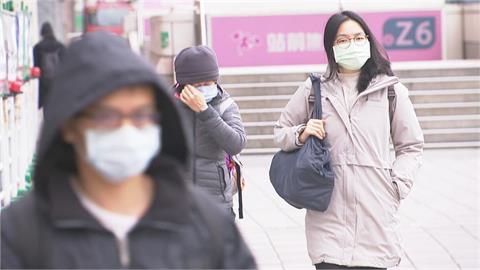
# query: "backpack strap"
392,102
238,168
194,146
317,109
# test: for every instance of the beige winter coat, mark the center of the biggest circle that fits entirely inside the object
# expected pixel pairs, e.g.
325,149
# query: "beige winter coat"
359,227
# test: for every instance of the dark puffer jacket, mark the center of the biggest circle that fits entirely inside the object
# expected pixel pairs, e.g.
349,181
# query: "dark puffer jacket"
49,228
216,132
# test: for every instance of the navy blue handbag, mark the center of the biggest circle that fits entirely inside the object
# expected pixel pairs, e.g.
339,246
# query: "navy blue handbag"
303,177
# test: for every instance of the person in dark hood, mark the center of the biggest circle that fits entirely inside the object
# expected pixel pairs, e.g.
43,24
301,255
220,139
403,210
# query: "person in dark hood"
218,131
108,189
46,55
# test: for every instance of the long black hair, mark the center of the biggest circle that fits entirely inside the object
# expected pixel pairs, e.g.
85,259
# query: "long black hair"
378,63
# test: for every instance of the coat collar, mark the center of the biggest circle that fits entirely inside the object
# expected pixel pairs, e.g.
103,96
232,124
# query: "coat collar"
222,95
379,83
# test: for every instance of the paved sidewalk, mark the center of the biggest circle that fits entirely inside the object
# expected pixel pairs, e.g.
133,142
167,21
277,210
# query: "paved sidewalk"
440,219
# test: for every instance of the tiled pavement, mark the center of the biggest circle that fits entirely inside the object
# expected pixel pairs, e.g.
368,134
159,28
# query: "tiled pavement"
440,219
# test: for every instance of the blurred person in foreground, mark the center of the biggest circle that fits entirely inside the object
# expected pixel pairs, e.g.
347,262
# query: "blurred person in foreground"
360,227
46,55
217,129
108,188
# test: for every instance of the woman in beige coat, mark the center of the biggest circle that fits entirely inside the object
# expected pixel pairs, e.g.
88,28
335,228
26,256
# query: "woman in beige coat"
360,226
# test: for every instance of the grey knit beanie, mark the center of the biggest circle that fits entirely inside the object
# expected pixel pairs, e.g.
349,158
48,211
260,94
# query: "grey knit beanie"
196,64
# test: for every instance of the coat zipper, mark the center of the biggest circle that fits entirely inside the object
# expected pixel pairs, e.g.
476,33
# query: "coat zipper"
124,252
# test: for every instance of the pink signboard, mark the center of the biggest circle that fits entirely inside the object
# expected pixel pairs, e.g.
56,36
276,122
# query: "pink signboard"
298,39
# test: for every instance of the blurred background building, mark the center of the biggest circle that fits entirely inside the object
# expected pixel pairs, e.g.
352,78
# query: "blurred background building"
159,28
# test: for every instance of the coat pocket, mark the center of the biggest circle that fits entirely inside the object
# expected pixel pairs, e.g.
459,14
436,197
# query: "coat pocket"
222,180
393,188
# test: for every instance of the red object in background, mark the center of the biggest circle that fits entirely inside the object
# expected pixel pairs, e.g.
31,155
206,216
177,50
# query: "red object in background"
35,72
107,16
16,86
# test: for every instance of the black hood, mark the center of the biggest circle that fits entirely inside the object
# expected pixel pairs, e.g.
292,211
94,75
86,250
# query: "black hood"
94,66
47,31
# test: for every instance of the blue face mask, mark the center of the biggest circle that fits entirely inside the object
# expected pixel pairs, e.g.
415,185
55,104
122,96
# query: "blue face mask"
209,91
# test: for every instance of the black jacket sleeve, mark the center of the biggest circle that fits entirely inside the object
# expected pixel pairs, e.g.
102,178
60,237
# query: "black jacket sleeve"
19,234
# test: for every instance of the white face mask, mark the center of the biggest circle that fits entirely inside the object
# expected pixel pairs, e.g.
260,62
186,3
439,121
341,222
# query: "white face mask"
124,152
209,91
353,57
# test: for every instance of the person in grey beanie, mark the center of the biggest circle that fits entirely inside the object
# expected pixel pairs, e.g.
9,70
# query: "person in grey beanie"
217,128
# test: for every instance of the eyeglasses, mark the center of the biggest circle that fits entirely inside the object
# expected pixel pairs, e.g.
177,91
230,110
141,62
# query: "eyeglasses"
344,41
111,119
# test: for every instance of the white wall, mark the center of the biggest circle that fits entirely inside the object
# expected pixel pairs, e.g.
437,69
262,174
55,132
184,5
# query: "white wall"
472,33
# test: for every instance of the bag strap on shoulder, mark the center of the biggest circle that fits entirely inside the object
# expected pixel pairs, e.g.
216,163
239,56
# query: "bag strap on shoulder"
239,168
317,110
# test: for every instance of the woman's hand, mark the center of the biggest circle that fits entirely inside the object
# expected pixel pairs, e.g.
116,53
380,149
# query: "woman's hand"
314,127
193,98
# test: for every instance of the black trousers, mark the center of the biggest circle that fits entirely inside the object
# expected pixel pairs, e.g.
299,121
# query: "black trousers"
336,266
